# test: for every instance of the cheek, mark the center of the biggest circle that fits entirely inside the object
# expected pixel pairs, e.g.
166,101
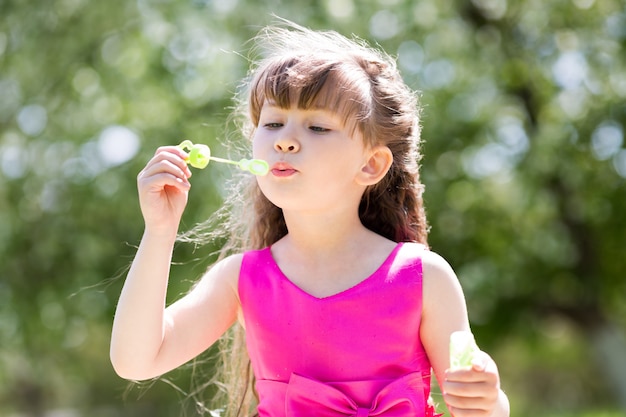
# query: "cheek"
259,145
270,191
256,147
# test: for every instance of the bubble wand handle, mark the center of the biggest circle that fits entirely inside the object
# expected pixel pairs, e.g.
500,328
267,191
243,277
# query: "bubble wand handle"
223,160
462,349
200,155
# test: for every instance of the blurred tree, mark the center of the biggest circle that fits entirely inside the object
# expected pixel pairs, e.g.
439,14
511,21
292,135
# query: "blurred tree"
538,198
525,170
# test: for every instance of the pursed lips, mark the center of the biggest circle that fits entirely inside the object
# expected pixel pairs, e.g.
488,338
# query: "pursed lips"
282,169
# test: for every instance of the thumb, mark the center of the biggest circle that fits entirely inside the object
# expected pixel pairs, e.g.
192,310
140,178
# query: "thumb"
480,361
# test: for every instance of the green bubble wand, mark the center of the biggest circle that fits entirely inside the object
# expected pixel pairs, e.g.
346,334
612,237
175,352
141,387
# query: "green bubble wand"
463,349
200,156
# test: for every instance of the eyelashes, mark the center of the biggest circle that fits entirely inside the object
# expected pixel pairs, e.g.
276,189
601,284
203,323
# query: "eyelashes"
313,128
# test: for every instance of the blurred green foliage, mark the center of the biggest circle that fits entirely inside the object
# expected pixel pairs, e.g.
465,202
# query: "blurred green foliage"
525,169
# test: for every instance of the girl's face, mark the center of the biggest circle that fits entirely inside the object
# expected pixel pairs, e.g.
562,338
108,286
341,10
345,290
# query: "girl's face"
314,159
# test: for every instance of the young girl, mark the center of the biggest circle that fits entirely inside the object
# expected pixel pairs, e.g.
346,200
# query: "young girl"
345,309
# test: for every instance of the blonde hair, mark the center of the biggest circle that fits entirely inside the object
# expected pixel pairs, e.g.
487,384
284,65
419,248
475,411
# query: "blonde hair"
312,69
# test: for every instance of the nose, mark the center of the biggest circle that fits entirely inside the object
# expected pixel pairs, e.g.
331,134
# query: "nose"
287,143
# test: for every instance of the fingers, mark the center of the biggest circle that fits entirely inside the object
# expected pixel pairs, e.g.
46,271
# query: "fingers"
168,166
478,400
473,392
163,187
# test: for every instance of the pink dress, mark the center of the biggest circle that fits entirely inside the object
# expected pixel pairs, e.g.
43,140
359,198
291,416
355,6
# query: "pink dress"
355,353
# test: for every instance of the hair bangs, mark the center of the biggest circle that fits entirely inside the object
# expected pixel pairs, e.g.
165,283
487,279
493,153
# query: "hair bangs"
309,83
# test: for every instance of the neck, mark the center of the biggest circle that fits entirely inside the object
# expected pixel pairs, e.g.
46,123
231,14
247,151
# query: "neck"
313,230
323,235
325,255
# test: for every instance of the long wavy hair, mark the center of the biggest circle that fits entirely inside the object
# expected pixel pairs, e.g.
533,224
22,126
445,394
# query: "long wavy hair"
295,66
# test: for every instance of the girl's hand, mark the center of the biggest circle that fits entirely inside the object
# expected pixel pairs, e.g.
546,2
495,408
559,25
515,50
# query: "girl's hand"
473,392
163,189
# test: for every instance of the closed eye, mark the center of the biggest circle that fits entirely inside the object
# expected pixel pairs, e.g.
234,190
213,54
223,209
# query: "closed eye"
319,129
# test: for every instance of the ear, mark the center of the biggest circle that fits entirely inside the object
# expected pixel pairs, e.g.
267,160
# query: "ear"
376,166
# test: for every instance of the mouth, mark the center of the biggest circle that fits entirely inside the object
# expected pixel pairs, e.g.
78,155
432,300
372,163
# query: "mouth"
283,169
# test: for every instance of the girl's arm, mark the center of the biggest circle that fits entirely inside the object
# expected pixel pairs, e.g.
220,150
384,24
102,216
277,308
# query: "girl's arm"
472,392
147,339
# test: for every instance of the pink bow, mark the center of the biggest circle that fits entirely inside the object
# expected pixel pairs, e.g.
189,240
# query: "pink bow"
401,398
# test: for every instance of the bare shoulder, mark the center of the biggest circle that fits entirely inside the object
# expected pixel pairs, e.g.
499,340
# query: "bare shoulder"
225,271
439,279
229,267
218,286
438,276
436,266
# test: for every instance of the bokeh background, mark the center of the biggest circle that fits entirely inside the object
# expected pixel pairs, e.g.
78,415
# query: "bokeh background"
525,172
